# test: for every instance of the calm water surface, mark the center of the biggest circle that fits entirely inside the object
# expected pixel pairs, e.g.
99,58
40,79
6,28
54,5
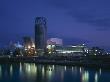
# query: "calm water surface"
30,72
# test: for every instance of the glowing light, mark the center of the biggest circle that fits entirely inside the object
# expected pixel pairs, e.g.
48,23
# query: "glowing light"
11,70
43,71
65,68
53,67
49,52
72,69
29,46
100,71
20,69
25,49
0,71
33,45
85,76
96,77
35,52
49,72
80,70
83,44
31,69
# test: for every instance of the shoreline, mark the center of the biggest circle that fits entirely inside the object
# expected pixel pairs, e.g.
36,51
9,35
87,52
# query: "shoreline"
96,61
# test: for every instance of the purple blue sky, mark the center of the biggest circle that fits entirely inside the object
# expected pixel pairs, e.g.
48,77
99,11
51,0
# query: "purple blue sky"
75,21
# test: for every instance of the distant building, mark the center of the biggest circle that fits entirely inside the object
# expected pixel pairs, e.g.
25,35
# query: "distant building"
76,50
55,41
40,34
29,46
96,51
18,45
27,42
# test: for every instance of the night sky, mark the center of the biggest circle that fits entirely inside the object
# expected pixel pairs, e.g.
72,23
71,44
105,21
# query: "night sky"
75,21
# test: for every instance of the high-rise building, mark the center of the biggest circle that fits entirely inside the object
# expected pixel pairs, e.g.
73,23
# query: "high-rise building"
40,34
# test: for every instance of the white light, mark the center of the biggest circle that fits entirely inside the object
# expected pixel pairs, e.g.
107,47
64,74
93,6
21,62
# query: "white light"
25,49
35,52
33,45
9,56
83,44
96,77
80,70
100,71
11,70
85,76
29,47
65,68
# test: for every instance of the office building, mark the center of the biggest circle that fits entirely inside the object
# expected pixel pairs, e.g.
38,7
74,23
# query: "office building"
40,34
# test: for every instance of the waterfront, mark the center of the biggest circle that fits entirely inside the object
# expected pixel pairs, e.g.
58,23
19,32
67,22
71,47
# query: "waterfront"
31,72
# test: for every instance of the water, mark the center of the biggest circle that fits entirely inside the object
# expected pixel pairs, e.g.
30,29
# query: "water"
30,72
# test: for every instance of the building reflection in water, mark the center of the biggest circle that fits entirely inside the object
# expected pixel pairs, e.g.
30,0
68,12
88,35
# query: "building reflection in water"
31,69
85,76
35,72
11,70
65,68
49,72
0,71
32,72
96,77
100,71
43,72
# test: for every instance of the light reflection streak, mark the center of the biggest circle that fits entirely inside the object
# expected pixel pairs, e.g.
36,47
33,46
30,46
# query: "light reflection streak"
62,76
80,69
49,72
0,71
96,77
31,69
72,68
100,71
43,71
11,70
85,76
20,68
65,68
53,67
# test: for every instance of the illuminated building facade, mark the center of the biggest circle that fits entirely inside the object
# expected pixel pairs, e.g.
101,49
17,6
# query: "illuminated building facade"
40,34
97,51
52,42
76,50
55,41
70,49
29,46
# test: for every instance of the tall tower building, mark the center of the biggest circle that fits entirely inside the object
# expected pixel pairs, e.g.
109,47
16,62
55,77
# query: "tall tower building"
40,34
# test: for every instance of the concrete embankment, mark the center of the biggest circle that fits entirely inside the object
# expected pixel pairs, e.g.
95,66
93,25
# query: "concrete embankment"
97,61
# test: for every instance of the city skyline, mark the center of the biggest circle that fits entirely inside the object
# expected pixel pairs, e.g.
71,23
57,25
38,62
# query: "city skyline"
85,22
